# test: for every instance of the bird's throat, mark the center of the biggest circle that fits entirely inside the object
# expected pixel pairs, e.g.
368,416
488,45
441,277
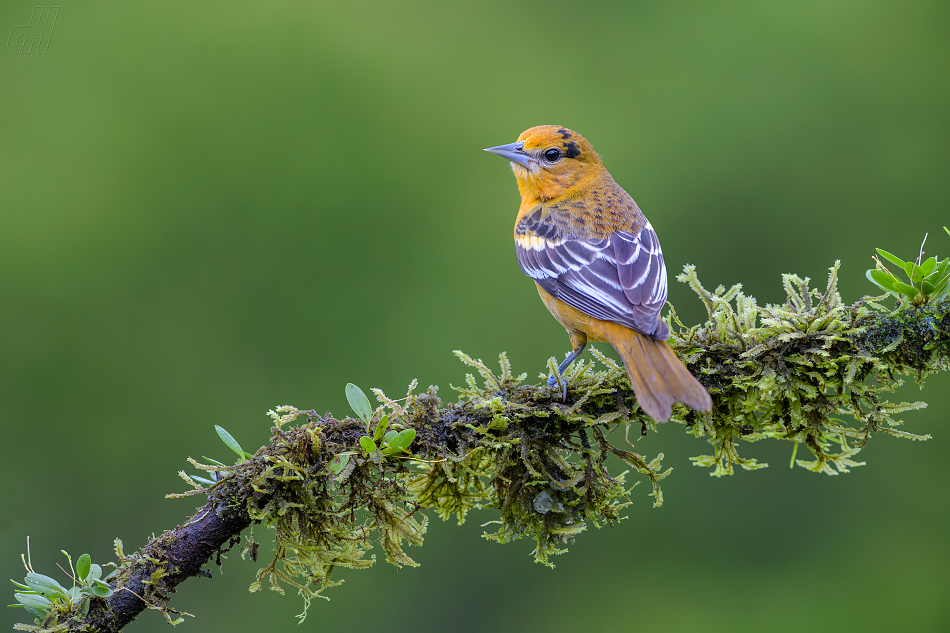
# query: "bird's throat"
545,185
538,186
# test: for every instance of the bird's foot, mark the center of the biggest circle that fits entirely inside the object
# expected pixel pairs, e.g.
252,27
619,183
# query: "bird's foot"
552,381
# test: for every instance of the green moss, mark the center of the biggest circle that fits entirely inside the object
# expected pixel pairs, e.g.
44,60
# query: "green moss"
794,372
812,371
789,371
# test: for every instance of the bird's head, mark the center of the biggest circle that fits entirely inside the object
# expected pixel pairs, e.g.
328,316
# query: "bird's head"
550,161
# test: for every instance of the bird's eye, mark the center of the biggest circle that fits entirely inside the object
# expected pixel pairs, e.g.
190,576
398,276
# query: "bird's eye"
552,155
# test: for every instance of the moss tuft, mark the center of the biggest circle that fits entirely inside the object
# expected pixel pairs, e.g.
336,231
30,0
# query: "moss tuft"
812,371
791,372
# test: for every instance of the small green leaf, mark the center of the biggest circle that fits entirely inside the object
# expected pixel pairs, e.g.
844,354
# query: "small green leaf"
882,279
939,272
31,600
926,288
389,436
95,573
45,585
338,463
98,591
20,585
202,480
940,290
928,266
917,274
906,290
947,230
910,269
369,446
83,565
894,259
213,461
36,613
358,402
402,440
381,428
229,441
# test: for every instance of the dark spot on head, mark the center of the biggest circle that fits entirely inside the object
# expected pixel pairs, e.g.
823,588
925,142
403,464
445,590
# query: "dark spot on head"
571,150
564,134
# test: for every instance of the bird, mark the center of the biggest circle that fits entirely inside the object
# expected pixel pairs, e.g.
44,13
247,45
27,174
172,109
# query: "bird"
597,264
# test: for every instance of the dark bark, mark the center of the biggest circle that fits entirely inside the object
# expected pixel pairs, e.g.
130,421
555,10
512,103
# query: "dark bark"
181,553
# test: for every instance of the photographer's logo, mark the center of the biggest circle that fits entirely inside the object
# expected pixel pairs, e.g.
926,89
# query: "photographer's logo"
31,41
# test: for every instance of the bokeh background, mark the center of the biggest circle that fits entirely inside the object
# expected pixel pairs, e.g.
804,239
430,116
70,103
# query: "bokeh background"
209,209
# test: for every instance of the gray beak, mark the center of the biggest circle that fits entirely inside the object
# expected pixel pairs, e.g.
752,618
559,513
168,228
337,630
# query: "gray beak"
513,152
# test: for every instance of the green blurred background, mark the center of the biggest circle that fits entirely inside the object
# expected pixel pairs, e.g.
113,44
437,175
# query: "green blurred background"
209,209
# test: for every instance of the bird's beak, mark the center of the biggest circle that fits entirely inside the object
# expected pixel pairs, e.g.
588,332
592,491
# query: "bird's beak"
513,152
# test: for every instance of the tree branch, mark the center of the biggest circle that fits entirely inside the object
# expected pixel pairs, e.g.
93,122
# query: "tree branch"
330,494
151,575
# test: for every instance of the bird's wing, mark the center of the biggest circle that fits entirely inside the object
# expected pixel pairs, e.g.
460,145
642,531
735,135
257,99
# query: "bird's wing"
621,278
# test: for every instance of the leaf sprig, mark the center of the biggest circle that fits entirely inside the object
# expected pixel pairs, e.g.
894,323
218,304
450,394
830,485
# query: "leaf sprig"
929,280
383,442
41,595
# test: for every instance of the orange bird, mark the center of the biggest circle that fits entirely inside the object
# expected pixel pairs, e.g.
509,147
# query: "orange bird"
597,263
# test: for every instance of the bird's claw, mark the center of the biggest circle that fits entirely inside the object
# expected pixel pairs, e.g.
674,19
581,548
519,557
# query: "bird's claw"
552,380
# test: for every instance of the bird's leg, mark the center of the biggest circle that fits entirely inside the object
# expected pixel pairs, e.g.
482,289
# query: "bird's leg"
578,343
564,364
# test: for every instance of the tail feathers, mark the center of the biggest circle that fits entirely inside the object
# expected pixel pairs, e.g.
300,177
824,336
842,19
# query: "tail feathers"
658,377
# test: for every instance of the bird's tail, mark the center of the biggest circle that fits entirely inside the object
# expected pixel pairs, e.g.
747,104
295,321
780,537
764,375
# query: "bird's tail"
658,377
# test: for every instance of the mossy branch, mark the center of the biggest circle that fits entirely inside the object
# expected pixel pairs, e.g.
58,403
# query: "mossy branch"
782,372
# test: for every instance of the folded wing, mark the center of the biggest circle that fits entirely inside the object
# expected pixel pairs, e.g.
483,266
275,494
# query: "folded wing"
621,278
